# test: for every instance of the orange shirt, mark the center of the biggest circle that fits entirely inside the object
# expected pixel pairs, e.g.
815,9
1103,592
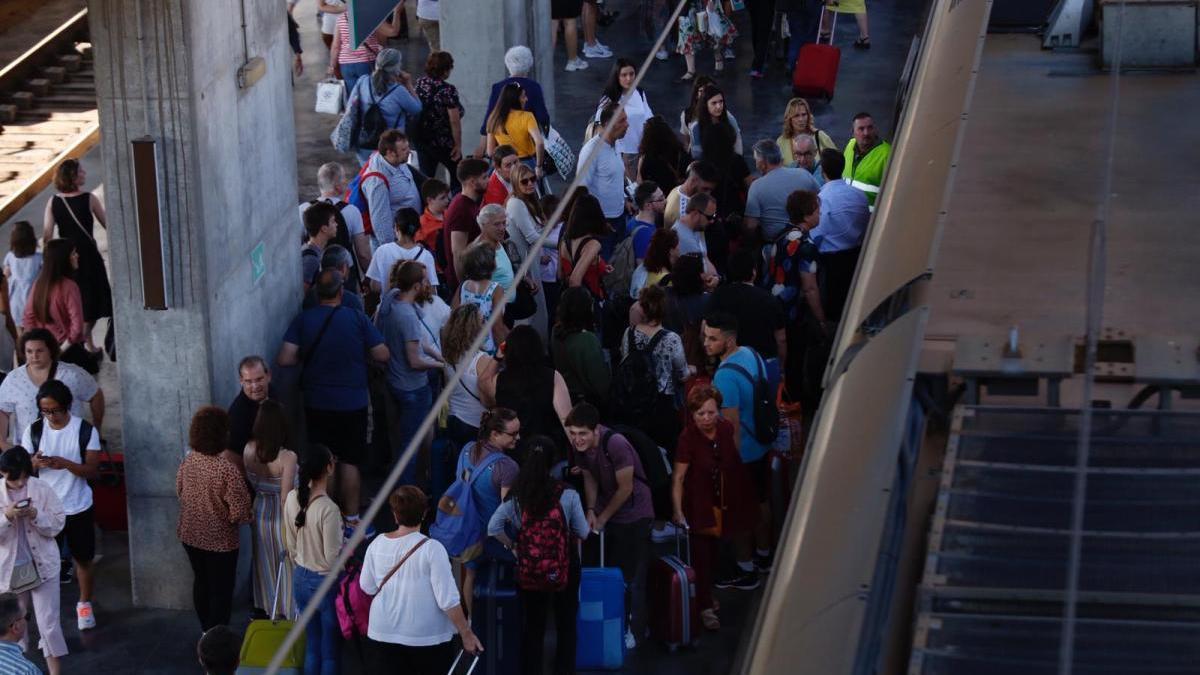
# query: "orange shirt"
431,227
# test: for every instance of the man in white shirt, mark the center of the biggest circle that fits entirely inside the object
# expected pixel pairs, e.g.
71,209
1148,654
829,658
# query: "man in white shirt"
700,211
331,181
391,184
605,176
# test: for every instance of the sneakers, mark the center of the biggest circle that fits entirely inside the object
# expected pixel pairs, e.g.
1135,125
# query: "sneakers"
762,563
742,581
85,615
710,620
729,53
668,533
661,55
66,576
757,75
597,51
630,642
576,64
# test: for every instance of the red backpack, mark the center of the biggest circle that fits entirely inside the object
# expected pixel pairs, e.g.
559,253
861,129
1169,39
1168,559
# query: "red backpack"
541,549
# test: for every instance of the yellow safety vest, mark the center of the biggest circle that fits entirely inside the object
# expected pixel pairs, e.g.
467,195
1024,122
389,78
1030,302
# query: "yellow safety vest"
867,175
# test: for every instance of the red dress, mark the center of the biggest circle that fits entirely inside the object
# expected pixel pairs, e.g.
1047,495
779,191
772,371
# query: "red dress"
716,475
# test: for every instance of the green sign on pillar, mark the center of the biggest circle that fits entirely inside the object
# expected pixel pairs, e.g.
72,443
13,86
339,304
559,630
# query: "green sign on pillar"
258,266
365,16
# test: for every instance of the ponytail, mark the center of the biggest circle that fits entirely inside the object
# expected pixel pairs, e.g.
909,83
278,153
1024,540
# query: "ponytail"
312,465
493,421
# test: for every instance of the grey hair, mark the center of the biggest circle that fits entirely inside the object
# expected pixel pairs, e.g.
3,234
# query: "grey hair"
804,137
518,60
388,65
768,151
10,611
329,175
490,214
335,256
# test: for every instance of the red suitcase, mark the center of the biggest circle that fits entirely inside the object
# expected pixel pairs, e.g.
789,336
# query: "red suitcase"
671,599
108,493
817,67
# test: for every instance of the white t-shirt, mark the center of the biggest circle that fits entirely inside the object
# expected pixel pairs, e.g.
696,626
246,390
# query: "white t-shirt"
73,491
350,214
22,273
386,257
329,19
410,609
637,111
428,10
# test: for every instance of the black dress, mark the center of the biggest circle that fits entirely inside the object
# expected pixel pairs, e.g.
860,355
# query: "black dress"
73,218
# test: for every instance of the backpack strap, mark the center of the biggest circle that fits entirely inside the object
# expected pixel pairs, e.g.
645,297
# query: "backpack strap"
85,435
484,465
35,434
604,448
749,378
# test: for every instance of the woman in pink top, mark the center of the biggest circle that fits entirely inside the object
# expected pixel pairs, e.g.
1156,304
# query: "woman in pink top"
56,305
352,60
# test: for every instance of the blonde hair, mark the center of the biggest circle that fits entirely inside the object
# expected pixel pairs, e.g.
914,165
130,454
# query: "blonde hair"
792,106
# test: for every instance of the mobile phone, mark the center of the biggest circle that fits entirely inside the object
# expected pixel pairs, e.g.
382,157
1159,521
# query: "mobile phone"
23,504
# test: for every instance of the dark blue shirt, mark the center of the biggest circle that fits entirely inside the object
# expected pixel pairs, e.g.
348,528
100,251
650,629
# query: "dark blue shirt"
335,375
535,103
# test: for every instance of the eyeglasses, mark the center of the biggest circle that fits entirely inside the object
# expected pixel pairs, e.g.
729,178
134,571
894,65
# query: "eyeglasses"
514,434
807,153
49,412
709,216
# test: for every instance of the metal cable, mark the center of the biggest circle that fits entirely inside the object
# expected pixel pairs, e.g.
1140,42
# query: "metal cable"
1094,318
431,418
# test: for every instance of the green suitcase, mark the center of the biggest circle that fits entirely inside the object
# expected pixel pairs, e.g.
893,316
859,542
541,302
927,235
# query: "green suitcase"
265,636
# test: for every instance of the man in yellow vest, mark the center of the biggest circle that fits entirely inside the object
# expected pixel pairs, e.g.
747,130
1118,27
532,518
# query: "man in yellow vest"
866,158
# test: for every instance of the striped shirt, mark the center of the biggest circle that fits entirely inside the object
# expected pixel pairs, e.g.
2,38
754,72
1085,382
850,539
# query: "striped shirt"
13,662
365,54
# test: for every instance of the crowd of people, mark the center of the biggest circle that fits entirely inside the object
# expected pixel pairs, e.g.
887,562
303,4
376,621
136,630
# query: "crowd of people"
680,296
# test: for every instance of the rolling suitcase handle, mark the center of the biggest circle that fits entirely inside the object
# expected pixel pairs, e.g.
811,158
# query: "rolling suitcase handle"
688,546
832,29
579,547
278,581
454,666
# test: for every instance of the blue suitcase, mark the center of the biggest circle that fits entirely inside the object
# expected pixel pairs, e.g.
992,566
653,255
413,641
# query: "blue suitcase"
600,628
496,618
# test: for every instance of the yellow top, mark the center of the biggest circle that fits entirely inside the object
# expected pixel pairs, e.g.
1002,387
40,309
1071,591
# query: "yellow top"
517,131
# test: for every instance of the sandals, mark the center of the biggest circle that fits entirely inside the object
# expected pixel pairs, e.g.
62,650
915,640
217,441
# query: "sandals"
709,618
825,37
687,77
862,43
719,67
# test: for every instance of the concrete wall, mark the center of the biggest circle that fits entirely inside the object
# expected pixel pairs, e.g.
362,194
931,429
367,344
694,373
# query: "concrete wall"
479,62
227,182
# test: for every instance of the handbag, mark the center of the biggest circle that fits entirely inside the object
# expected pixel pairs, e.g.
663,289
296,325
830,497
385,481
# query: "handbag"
330,94
560,152
344,131
718,25
24,578
77,354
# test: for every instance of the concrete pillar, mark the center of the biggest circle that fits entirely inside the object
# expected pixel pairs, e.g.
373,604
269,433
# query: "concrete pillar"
477,34
227,190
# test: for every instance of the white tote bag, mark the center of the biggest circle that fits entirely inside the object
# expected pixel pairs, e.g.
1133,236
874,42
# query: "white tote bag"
329,96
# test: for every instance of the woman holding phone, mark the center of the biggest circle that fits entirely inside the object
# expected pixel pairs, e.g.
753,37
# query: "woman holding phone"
29,561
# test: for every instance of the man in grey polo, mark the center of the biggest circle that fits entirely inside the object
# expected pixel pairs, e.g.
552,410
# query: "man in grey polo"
766,204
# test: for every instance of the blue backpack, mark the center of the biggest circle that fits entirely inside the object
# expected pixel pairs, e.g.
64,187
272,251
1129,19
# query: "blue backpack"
459,526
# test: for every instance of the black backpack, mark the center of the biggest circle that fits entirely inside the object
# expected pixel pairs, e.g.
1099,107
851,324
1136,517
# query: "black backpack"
655,465
635,387
766,414
372,124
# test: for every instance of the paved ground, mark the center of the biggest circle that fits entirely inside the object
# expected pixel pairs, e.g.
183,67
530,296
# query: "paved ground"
131,640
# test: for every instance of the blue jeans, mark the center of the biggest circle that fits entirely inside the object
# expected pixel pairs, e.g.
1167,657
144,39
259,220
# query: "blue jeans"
352,71
322,635
413,406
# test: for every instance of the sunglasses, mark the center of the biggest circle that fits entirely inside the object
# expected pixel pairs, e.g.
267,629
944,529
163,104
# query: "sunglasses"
528,180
